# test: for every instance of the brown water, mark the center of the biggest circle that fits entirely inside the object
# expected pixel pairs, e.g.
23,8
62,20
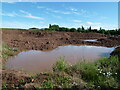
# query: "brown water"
37,61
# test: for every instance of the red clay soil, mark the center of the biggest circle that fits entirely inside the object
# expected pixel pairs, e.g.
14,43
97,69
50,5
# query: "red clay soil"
44,40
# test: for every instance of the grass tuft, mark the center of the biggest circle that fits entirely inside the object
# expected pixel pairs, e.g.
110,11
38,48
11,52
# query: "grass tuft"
60,65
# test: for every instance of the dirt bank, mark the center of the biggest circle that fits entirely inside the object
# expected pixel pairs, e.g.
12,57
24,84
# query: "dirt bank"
42,40
116,52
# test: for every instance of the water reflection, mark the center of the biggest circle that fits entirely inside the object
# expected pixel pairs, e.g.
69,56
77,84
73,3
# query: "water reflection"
37,61
91,40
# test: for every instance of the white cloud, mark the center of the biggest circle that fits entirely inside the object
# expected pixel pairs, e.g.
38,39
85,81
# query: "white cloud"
97,25
16,24
29,15
73,11
58,11
77,21
92,23
13,14
22,11
26,14
66,12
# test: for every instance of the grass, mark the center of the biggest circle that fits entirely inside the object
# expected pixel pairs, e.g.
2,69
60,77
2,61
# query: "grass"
58,80
101,74
60,65
6,51
4,86
47,84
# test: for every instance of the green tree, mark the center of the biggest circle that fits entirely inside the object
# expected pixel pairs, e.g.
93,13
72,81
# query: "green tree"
79,29
100,28
54,27
83,28
73,30
49,25
89,29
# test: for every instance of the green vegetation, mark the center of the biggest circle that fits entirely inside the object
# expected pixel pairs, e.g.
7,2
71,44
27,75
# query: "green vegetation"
4,86
60,65
6,51
59,80
98,75
80,29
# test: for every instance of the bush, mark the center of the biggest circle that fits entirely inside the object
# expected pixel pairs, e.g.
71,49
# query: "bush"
60,65
88,70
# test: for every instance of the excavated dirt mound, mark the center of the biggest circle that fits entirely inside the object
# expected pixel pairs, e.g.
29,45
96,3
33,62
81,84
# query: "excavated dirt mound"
44,40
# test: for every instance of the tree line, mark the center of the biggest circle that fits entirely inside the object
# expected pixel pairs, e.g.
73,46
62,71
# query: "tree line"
80,29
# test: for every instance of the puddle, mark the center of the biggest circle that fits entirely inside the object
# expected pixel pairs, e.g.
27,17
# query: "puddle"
92,40
38,61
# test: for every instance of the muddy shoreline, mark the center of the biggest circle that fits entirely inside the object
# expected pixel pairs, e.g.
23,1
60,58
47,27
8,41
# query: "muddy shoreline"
42,40
33,40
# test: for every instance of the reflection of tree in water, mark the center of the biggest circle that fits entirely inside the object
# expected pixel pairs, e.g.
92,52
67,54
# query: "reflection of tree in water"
105,54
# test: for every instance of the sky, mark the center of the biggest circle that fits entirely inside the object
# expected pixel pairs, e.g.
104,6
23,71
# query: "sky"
65,14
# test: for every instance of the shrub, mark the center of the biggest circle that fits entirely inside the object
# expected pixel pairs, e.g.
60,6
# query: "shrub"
60,65
47,84
88,70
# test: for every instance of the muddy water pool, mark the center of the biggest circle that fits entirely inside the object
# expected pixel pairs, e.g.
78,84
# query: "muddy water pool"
39,61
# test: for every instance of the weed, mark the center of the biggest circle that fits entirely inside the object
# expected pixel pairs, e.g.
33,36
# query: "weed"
100,74
4,85
47,84
60,65
6,52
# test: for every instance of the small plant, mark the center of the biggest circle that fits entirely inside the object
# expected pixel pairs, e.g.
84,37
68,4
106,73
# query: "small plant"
108,66
6,51
88,70
63,80
4,85
47,84
60,65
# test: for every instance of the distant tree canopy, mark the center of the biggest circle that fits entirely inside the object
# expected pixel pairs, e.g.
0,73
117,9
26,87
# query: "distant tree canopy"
73,30
80,29
33,28
83,28
89,29
54,27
